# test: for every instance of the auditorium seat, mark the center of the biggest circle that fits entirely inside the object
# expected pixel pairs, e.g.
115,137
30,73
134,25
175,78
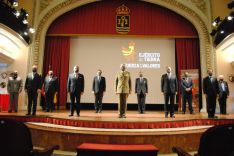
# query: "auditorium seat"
92,149
16,140
216,141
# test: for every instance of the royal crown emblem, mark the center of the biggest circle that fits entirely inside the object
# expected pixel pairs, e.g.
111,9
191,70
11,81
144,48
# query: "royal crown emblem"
123,10
122,19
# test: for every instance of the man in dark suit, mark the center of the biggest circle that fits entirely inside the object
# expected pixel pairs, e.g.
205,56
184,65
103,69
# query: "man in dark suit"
75,87
51,89
32,88
210,89
223,94
141,89
169,87
99,87
186,91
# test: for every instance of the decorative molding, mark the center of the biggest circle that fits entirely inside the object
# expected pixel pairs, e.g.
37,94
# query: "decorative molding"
207,59
200,4
40,27
44,4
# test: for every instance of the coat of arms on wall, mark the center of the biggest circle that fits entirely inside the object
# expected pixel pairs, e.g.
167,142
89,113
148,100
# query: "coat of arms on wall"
122,19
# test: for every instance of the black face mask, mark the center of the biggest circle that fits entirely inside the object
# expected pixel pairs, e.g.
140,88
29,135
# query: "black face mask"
14,76
76,71
34,70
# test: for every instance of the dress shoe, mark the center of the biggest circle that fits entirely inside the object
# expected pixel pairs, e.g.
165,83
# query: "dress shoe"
192,112
123,116
70,115
78,115
33,114
212,117
28,114
172,116
120,116
16,111
166,115
96,111
9,111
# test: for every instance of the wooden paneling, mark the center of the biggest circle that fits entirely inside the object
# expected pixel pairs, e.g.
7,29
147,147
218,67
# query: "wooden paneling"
68,141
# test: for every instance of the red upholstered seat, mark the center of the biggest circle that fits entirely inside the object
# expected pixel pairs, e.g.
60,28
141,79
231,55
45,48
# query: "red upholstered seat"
111,147
116,149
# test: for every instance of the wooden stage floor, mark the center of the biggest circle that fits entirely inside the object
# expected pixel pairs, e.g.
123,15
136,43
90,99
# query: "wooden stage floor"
150,128
108,119
111,115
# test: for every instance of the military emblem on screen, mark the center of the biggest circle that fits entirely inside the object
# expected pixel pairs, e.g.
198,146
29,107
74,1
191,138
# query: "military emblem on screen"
122,19
129,53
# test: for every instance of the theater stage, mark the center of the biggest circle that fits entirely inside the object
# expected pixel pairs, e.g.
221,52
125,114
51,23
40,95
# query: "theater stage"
149,128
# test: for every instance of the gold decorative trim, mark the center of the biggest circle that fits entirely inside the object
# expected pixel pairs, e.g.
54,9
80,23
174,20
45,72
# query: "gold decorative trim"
41,26
44,4
205,43
200,4
200,25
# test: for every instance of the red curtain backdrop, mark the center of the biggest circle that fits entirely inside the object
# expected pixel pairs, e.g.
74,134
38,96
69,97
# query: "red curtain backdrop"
56,58
187,56
100,18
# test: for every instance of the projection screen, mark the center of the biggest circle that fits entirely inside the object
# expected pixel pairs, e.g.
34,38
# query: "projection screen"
149,55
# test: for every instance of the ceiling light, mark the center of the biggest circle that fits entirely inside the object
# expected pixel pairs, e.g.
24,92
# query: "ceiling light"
229,18
25,21
31,30
216,21
26,33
